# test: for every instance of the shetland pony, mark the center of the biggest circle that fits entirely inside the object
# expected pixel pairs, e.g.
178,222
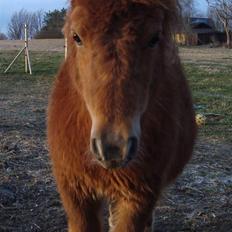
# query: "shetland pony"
120,120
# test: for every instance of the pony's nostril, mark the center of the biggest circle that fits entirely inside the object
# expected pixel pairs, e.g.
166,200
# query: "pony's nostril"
96,148
132,147
112,152
105,151
93,146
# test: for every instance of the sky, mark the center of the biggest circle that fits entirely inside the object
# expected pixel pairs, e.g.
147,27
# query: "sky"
201,5
8,7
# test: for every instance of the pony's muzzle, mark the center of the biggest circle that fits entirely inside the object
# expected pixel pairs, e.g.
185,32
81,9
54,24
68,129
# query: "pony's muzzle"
114,154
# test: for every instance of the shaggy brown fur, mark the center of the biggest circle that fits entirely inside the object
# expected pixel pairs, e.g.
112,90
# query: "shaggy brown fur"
119,72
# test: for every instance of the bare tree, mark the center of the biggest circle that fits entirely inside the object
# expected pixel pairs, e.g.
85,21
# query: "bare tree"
187,7
187,10
217,22
16,24
2,36
37,24
223,10
34,20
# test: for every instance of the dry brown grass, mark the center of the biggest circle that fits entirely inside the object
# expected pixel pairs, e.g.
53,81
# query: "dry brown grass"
34,45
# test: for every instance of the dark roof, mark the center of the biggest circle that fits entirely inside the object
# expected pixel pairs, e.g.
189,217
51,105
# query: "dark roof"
202,23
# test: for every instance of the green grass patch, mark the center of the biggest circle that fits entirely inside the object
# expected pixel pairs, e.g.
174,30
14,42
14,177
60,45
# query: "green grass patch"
44,67
43,63
212,91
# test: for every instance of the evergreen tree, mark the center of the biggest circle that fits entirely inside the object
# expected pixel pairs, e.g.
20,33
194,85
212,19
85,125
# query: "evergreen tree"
53,24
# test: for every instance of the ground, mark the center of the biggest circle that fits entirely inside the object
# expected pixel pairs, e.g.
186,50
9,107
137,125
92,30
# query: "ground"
201,198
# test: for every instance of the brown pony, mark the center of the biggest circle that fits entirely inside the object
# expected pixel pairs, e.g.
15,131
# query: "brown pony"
120,121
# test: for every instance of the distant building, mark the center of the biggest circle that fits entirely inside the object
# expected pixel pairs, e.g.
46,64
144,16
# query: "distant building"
202,31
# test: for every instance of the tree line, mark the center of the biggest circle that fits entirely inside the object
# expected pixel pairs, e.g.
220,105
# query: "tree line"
40,24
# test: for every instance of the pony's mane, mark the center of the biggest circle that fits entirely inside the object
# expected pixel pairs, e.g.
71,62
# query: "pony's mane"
168,4
170,7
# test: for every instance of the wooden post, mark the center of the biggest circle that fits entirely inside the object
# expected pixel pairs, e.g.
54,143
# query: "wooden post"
26,54
14,60
26,46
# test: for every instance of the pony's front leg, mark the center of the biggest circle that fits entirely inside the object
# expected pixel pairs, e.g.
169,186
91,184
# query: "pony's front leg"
83,215
85,218
130,216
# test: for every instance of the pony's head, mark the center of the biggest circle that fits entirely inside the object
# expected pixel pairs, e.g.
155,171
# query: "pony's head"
116,49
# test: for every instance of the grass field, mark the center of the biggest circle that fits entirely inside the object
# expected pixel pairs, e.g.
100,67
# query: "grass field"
200,200
210,79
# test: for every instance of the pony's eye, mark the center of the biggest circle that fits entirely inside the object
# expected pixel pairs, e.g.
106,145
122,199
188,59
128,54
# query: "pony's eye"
77,38
154,40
